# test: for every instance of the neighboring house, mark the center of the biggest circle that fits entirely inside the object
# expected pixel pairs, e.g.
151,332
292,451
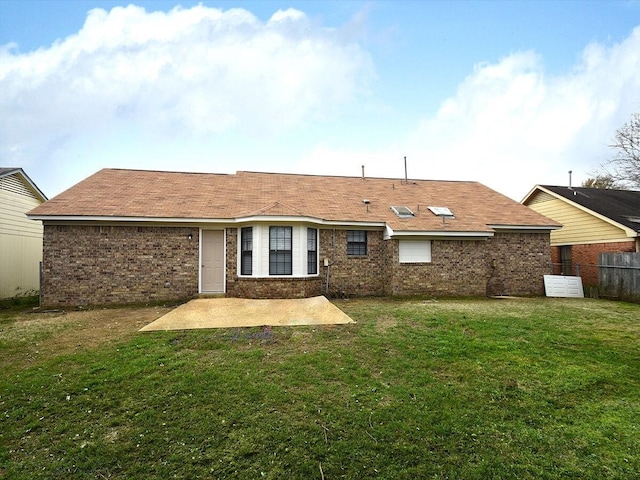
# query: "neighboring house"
123,236
20,238
594,221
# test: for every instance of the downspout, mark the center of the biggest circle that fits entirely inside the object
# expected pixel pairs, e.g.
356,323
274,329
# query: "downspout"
39,284
326,292
327,264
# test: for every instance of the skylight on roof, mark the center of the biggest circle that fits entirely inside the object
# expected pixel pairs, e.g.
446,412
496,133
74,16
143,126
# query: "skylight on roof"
442,212
402,212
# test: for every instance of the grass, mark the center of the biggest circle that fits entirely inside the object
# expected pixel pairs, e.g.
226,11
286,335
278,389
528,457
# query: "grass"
469,389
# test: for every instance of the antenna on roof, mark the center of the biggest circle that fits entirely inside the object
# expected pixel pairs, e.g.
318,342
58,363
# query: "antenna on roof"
570,179
406,181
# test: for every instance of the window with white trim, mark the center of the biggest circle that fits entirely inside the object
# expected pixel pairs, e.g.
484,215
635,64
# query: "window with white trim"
280,258
414,251
246,255
265,250
312,251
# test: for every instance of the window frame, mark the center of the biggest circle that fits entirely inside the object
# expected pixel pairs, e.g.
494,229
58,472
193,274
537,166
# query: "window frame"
280,257
312,252
246,251
357,247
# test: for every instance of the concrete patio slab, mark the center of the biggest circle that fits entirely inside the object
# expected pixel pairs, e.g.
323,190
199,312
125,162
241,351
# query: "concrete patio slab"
241,312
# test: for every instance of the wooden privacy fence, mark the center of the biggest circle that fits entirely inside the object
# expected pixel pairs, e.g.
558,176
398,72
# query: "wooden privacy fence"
619,275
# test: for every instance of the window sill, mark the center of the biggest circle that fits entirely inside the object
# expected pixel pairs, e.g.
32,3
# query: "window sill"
278,277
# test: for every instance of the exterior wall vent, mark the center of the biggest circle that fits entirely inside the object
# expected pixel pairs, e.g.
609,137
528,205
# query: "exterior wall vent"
13,184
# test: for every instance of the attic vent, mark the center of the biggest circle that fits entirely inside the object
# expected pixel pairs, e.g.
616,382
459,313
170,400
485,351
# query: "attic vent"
442,212
13,184
402,212
541,197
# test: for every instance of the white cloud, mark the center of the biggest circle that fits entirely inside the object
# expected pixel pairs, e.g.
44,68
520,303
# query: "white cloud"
510,125
197,71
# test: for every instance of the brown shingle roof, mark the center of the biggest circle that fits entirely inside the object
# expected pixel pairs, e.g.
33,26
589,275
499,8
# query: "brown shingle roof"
172,195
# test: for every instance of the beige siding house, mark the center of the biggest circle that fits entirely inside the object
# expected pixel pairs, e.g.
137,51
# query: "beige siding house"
593,221
20,237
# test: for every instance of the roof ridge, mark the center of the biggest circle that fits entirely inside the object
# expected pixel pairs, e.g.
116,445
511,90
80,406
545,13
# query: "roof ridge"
356,177
591,188
145,170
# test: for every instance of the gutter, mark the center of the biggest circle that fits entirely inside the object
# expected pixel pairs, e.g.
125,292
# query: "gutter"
64,219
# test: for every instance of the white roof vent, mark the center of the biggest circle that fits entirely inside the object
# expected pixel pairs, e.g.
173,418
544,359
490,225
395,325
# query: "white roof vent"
442,212
402,212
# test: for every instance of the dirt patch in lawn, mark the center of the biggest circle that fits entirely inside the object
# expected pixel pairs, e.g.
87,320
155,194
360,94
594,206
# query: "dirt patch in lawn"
29,337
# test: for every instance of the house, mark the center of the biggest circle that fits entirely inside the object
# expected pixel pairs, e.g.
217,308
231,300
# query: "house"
594,221
20,238
126,236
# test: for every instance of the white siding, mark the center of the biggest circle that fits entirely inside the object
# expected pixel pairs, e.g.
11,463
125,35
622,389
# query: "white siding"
578,226
20,239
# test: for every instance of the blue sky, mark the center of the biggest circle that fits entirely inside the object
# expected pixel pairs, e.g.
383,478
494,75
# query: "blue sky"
510,94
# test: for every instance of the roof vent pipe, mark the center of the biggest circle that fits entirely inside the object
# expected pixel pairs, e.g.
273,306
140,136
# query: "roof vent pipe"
570,179
363,172
406,181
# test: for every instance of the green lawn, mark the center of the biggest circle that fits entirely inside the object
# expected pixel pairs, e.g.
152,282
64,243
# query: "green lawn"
456,389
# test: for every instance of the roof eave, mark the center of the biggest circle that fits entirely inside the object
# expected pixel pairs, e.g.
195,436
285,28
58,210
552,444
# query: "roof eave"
440,234
521,228
239,220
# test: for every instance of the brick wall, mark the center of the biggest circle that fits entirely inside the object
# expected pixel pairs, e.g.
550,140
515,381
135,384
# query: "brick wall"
507,264
276,287
457,268
521,261
121,264
353,275
586,258
118,264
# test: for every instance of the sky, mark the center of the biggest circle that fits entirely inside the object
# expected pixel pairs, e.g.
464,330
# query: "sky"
507,93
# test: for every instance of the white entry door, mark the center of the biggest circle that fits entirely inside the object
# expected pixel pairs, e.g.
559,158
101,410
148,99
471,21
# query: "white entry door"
212,267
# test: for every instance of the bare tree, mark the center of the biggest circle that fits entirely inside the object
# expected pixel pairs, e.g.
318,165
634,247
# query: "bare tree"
626,164
602,180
